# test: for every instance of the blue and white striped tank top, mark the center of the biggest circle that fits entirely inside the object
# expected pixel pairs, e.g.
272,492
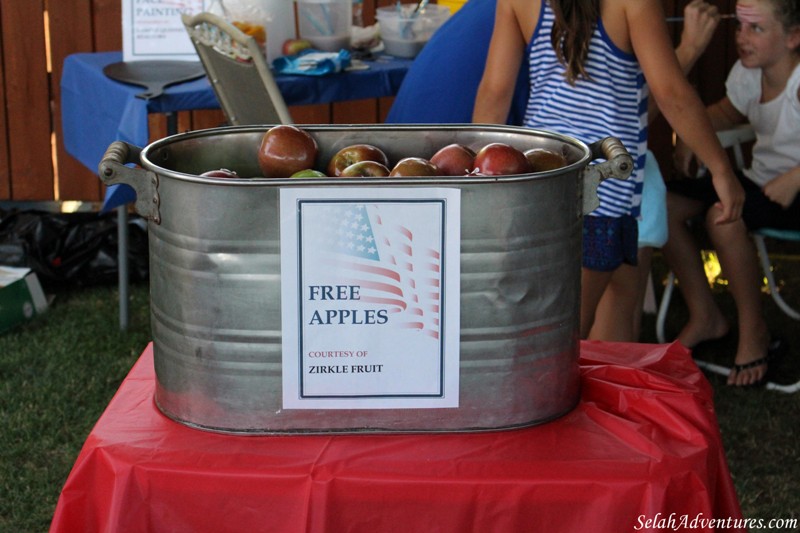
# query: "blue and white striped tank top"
613,102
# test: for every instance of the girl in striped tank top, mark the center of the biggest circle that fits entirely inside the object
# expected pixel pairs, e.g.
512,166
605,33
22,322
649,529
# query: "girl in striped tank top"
592,64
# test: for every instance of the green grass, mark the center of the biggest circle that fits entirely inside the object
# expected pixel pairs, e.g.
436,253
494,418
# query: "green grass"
760,428
59,372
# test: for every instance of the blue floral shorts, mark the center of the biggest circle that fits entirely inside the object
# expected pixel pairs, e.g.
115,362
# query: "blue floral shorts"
609,241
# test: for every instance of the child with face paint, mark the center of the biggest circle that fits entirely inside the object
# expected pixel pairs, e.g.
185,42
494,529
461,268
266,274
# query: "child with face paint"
763,88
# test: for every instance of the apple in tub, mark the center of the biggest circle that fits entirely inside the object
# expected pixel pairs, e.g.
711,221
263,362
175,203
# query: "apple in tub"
309,173
500,159
286,149
365,169
414,167
220,173
454,160
542,159
355,153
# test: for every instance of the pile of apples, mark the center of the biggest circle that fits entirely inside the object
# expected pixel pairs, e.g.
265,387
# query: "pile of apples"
287,151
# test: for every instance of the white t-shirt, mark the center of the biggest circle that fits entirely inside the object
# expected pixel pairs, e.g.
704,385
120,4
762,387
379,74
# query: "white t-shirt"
776,123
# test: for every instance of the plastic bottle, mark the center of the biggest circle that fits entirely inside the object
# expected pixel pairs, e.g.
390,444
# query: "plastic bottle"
280,25
358,13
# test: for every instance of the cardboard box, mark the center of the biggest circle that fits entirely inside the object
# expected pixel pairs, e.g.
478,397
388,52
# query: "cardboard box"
21,297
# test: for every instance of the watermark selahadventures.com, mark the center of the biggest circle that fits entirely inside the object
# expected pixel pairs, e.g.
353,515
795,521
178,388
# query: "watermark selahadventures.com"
675,521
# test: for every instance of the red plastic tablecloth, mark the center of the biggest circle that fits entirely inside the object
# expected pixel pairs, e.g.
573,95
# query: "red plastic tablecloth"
642,444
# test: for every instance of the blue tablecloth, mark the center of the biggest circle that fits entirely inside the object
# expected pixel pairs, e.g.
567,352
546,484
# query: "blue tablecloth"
97,110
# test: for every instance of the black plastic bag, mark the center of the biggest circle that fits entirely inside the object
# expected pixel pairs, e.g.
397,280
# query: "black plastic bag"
72,248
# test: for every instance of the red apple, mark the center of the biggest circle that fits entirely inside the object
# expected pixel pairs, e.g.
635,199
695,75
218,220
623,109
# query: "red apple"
542,159
365,169
500,159
292,47
286,149
454,160
414,166
220,173
355,153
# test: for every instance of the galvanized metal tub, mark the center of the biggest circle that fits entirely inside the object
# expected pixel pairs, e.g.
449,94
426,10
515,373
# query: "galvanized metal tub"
215,280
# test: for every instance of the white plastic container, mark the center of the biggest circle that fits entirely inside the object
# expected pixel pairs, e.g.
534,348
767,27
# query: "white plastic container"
279,16
325,23
405,31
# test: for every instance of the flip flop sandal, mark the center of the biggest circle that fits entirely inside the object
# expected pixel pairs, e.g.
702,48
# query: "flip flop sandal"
774,350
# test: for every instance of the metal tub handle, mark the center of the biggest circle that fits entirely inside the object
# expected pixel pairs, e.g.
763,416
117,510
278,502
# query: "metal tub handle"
618,164
113,170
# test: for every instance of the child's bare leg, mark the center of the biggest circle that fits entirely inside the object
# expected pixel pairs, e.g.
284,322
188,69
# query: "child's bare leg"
645,261
593,284
616,311
706,321
739,261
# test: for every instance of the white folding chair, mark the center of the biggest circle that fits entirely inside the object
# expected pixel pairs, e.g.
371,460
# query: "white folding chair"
734,139
237,70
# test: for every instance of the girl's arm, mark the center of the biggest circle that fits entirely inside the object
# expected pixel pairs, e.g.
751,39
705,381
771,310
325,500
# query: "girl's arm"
723,116
700,20
679,102
496,89
784,189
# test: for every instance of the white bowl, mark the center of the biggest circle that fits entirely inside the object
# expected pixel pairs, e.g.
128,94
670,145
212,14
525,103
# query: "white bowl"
404,32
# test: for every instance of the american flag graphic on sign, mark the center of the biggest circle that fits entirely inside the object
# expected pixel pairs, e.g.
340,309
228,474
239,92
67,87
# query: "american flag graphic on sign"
395,268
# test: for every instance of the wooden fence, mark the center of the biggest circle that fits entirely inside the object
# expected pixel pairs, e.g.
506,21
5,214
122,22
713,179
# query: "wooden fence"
38,34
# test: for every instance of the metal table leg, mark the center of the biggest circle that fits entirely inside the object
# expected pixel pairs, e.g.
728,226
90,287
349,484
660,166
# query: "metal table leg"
122,249
122,262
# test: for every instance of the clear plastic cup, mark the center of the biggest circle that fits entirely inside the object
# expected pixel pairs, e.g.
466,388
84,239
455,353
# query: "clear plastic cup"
406,30
326,24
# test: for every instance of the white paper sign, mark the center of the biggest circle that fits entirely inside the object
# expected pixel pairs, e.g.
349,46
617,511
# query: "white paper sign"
370,282
152,29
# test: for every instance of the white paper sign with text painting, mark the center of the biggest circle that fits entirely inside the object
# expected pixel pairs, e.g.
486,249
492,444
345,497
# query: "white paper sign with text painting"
153,30
370,281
